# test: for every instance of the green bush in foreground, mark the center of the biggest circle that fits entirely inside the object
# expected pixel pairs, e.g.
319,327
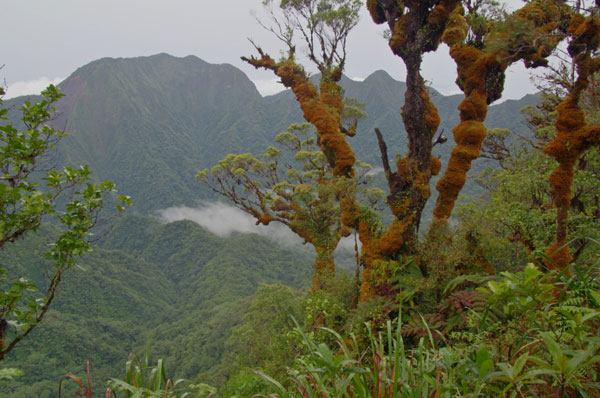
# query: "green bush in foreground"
544,342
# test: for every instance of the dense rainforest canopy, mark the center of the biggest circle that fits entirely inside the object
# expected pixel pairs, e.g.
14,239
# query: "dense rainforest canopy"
498,296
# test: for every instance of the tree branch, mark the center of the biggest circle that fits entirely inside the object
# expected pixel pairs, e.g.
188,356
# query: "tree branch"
384,155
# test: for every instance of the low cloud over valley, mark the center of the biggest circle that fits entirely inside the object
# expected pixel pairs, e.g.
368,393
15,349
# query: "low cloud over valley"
223,220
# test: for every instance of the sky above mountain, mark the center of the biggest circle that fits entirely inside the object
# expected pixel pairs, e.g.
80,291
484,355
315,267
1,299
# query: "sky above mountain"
46,41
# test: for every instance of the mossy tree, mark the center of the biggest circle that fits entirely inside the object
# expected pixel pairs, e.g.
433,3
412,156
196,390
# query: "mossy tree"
482,60
574,134
484,43
416,28
541,25
324,27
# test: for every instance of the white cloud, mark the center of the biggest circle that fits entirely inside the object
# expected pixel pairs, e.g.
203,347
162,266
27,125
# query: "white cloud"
27,87
347,244
223,220
268,86
374,171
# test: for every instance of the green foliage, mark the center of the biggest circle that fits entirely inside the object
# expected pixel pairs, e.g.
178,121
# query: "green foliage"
10,373
294,185
542,347
480,16
264,338
324,309
291,184
68,196
323,25
272,333
198,283
143,380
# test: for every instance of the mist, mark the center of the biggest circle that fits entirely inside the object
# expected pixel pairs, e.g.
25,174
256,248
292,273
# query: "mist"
224,220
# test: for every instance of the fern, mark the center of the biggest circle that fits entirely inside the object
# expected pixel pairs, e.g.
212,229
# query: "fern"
464,280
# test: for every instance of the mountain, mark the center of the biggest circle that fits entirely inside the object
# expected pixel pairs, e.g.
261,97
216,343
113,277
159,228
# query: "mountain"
150,123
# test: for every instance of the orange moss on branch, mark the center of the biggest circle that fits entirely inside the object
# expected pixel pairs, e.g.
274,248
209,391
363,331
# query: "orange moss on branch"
323,109
573,136
369,236
377,12
439,14
397,40
456,28
481,78
393,239
560,253
474,67
431,114
436,165
369,254
263,218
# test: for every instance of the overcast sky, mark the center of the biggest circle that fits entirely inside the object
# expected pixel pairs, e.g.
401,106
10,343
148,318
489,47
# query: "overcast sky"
45,41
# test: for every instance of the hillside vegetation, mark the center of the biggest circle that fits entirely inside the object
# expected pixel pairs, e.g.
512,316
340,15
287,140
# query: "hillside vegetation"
174,285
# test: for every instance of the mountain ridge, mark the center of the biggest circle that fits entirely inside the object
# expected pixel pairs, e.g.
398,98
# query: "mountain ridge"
150,123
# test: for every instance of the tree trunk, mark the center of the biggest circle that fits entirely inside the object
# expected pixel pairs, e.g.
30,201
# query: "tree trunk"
3,329
324,268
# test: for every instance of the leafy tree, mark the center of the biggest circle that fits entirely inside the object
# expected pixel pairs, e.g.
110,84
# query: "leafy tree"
324,27
308,200
30,194
294,185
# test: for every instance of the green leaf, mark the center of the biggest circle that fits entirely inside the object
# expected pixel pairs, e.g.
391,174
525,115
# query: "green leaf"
10,373
484,362
553,348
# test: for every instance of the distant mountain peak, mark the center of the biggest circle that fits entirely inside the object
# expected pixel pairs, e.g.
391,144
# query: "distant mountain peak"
380,74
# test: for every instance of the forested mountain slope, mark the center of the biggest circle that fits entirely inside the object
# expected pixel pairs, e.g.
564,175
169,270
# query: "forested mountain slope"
174,285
